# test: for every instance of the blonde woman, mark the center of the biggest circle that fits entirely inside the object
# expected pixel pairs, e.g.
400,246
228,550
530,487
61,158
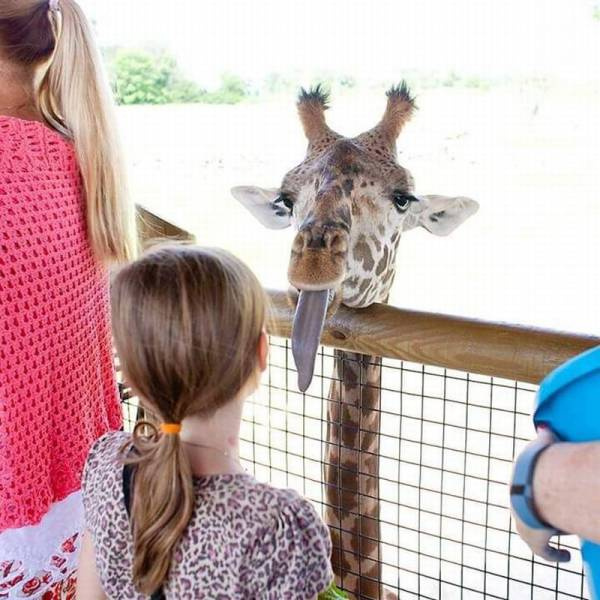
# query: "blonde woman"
62,219
189,325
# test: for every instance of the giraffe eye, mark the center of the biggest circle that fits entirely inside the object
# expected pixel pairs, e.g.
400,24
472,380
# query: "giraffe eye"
286,201
402,200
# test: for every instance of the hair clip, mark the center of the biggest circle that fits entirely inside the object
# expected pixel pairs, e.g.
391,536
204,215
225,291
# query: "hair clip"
170,428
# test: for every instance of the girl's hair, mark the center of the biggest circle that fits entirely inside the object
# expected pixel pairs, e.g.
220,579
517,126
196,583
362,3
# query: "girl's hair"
187,323
73,97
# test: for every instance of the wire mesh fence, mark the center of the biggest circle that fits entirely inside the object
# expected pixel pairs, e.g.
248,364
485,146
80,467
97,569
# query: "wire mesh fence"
446,446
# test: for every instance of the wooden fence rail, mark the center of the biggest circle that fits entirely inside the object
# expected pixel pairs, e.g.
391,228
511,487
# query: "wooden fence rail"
509,351
499,350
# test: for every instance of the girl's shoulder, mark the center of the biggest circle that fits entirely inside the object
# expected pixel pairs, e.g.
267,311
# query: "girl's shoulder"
273,502
290,553
288,515
266,505
104,459
108,447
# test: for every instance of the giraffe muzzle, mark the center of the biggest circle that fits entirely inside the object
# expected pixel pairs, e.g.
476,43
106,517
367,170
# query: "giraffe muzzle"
306,332
318,258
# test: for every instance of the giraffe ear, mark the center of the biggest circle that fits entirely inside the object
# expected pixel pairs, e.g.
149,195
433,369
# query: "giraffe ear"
441,215
264,204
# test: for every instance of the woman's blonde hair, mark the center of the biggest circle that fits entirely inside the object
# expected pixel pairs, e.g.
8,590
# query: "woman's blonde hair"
187,323
74,98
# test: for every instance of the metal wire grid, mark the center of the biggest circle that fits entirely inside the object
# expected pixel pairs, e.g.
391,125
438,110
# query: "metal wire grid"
447,444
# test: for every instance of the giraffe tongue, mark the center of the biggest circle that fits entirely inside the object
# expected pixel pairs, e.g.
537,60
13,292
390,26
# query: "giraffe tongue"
306,333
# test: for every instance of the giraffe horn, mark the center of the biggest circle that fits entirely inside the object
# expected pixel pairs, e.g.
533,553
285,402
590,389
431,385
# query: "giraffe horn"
399,109
312,104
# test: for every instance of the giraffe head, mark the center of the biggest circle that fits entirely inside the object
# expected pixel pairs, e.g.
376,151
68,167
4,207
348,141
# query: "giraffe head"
350,201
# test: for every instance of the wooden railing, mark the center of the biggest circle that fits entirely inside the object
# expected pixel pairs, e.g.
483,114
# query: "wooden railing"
496,349
152,228
512,352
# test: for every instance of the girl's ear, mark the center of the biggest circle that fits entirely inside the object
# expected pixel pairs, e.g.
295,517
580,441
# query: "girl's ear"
263,351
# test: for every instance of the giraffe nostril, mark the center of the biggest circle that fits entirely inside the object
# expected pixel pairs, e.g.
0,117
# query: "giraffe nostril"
321,238
339,244
317,242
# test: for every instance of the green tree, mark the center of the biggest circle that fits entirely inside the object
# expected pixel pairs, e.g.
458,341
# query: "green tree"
233,89
142,77
184,91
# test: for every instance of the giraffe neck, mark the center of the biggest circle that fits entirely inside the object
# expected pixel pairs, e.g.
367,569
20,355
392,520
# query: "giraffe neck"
351,473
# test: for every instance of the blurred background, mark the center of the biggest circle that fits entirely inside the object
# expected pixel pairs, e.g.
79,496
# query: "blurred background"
509,114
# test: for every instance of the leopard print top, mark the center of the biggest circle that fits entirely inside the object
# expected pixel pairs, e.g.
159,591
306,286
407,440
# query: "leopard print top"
245,539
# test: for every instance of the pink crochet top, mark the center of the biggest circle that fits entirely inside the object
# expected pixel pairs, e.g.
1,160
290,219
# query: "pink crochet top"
57,387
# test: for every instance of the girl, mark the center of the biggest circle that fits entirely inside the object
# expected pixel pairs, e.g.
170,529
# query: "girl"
63,216
189,325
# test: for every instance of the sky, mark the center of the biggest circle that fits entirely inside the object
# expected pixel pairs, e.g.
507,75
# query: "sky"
372,40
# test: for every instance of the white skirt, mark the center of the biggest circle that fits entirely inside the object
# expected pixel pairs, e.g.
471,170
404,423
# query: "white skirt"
37,561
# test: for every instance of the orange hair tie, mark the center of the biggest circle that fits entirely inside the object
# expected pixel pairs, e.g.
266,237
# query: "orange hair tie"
170,428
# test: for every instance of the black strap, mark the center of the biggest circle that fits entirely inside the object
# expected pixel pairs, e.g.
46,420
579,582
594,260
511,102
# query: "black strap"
128,472
127,476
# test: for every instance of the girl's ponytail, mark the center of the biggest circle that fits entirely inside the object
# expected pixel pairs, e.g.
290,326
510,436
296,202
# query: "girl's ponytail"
74,99
162,505
187,324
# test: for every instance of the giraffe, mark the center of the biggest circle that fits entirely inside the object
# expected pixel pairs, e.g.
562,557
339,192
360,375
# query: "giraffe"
349,201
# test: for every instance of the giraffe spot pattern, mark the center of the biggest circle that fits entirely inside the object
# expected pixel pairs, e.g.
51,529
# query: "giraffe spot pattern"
362,253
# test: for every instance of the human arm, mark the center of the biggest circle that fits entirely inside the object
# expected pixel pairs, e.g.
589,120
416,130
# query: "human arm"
88,581
566,488
566,495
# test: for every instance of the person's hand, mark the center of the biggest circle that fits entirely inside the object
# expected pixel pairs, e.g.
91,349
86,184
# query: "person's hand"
538,540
